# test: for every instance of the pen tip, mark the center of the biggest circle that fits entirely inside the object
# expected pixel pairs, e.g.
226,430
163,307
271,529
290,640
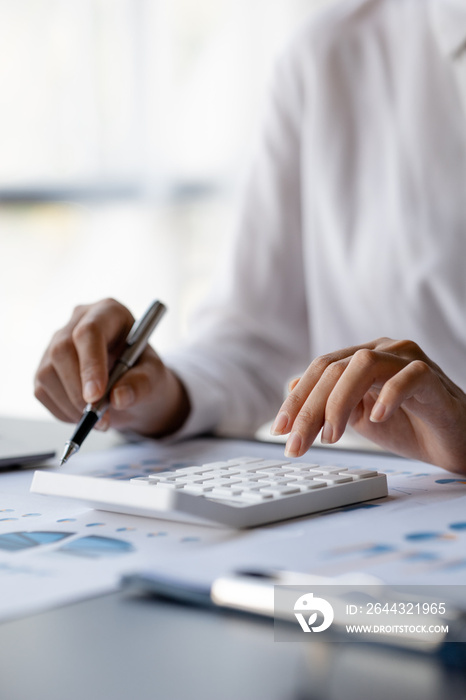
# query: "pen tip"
70,449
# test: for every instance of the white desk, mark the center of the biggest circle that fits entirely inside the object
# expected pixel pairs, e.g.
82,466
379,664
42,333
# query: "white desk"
121,646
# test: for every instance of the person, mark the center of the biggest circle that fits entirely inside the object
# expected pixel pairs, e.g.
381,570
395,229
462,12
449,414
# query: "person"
353,226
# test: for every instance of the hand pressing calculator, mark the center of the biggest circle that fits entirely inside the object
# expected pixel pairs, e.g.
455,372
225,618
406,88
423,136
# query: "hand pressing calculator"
237,493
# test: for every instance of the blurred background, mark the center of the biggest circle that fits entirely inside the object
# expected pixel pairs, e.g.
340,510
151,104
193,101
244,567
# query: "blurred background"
125,128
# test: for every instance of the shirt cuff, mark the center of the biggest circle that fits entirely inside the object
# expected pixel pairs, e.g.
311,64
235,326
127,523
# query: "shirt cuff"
205,398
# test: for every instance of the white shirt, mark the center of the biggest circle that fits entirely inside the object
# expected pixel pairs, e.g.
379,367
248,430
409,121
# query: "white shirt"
354,217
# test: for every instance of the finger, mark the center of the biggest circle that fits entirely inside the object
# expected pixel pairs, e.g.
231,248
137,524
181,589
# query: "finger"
310,419
64,381
49,390
293,383
103,423
98,333
411,351
301,390
56,410
337,394
139,384
57,383
406,349
282,420
139,398
415,384
367,369
54,398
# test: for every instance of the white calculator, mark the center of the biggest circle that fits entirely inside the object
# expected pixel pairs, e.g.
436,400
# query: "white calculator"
237,493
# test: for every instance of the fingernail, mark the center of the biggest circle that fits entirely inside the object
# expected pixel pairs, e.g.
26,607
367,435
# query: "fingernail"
123,397
378,412
279,424
293,445
103,424
327,434
91,391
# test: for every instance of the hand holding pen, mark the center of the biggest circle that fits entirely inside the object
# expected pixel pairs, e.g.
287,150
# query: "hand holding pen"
75,370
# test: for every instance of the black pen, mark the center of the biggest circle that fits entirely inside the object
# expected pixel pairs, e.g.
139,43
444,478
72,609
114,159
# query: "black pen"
134,345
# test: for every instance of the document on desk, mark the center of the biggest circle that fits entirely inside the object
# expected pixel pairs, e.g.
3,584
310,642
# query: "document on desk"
415,536
52,553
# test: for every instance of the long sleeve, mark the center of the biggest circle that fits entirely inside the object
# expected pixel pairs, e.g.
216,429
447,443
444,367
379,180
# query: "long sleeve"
251,334
353,221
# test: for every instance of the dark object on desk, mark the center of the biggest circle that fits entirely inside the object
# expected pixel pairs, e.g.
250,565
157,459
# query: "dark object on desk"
122,646
252,593
16,454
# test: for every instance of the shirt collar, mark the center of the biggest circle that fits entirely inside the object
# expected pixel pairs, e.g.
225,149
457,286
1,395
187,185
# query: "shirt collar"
449,24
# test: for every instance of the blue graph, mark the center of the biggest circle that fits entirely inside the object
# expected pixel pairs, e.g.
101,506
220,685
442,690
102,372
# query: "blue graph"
93,547
16,541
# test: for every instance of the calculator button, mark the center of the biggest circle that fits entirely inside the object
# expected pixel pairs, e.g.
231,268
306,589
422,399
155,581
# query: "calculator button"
331,479
255,496
309,484
279,480
170,485
196,489
332,470
226,491
362,473
280,490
